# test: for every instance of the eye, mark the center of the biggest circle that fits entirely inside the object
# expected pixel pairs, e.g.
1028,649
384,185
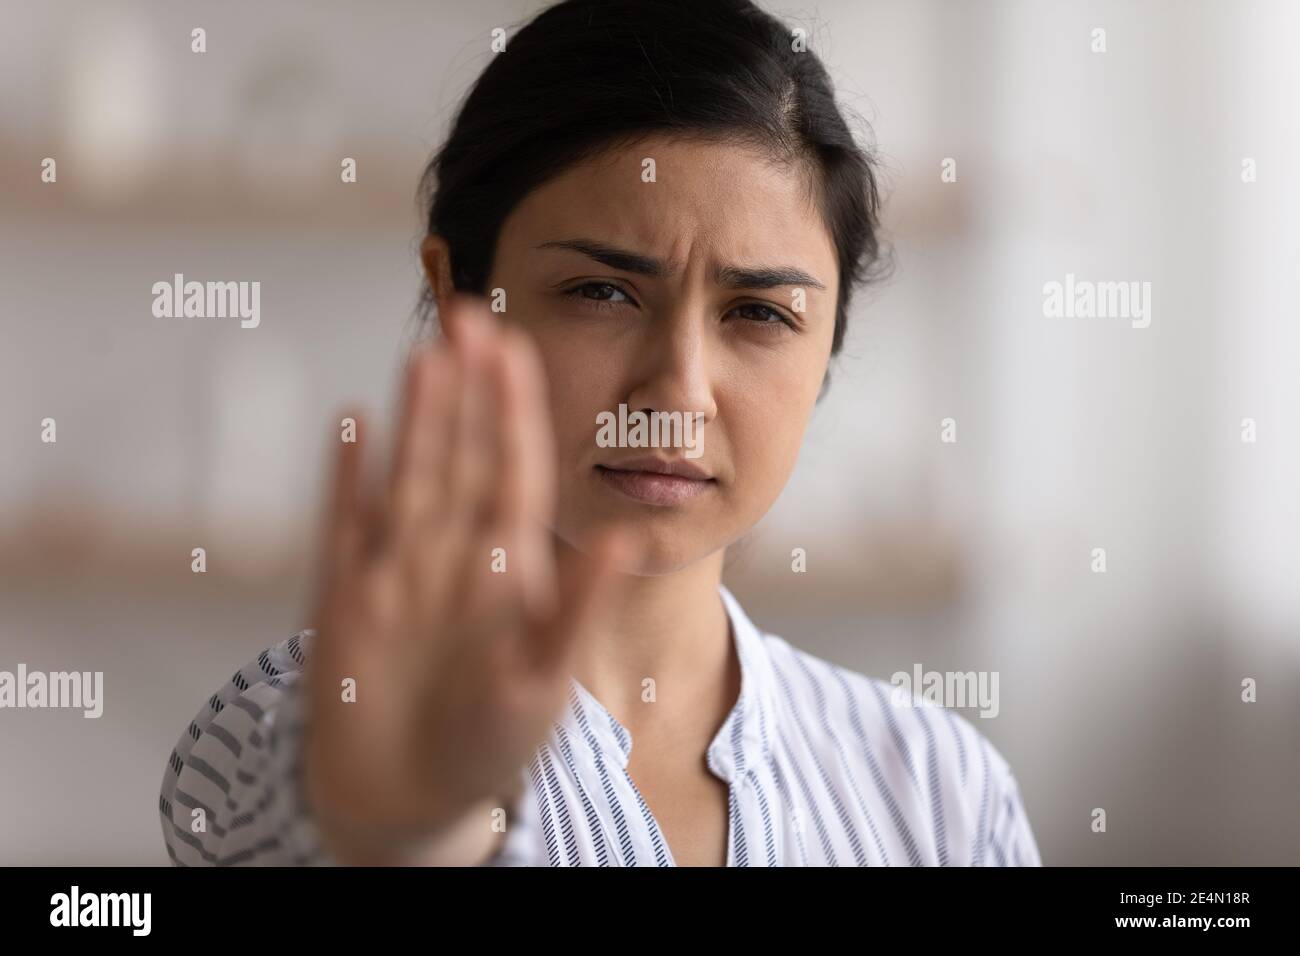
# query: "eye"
599,295
765,315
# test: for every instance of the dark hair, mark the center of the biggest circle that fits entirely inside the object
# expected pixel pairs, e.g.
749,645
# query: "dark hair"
585,75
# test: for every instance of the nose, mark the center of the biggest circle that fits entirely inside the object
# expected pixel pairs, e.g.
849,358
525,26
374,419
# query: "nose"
673,374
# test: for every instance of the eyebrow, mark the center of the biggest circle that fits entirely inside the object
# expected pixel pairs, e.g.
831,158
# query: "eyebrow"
735,277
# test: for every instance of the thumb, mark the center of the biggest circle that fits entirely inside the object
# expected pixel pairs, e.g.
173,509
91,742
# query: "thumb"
592,579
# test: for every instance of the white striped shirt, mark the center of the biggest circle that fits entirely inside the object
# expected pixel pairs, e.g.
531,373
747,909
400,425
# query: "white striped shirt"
824,766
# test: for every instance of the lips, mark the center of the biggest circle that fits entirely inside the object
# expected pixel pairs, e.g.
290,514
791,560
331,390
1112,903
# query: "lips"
657,481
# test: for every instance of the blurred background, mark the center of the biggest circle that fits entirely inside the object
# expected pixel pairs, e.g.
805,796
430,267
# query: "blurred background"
1119,690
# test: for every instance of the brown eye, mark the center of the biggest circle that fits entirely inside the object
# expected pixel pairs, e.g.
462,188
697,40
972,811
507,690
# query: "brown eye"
601,293
763,315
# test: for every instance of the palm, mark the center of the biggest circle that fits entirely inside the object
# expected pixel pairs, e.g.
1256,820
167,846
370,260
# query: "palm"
457,666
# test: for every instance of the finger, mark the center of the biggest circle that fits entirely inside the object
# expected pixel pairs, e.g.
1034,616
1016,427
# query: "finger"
414,380
541,465
375,508
473,449
590,585
525,473
452,313
341,545
344,513
534,401
450,559
418,481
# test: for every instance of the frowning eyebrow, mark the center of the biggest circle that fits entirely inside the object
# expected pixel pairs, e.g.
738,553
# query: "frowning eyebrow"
735,277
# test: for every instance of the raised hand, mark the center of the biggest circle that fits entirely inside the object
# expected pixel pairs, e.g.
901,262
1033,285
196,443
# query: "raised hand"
459,669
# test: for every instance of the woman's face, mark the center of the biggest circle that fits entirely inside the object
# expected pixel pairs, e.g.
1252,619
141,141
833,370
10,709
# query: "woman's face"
710,290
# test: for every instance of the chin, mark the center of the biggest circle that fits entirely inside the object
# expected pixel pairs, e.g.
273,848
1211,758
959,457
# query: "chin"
660,559
661,550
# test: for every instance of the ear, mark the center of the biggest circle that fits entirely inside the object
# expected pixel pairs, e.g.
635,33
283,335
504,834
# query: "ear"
436,256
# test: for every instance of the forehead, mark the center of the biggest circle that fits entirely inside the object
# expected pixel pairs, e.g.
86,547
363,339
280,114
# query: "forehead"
713,199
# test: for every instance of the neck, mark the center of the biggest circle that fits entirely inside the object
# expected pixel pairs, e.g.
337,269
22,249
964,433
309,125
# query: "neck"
674,629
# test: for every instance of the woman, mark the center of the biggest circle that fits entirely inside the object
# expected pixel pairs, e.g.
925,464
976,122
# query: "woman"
668,215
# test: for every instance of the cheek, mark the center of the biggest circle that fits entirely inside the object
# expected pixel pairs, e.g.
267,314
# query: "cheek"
766,418
581,376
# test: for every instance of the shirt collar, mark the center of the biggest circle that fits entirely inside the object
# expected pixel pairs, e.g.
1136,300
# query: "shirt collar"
743,739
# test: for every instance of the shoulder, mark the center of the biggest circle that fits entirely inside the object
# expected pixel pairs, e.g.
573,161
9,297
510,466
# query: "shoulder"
858,710
236,720
261,682
287,657
926,762
214,800
248,698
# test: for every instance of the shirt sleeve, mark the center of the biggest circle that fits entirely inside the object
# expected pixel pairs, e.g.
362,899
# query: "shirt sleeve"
1009,840
231,793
